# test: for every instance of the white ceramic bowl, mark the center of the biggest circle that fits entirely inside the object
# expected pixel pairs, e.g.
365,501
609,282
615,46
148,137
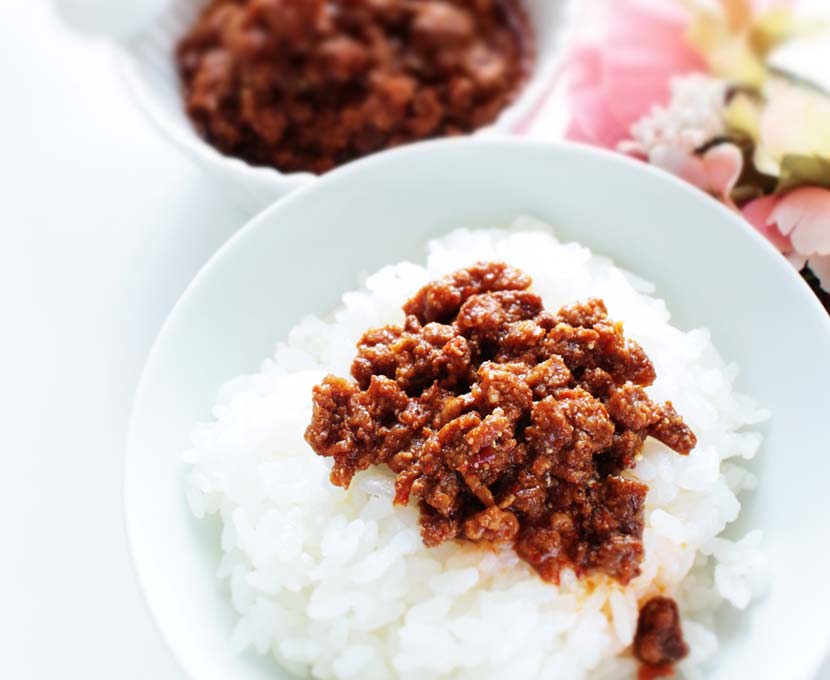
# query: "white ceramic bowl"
301,254
147,63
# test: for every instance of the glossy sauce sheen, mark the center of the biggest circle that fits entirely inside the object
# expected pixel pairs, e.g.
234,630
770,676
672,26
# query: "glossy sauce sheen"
305,85
507,423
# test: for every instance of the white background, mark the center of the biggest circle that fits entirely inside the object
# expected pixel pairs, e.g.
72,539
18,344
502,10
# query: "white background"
102,225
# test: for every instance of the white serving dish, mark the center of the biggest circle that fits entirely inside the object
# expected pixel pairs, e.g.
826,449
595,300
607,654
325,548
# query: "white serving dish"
147,63
710,266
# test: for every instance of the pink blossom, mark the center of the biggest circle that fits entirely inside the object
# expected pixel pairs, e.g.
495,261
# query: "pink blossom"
716,171
757,213
798,224
804,215
616,81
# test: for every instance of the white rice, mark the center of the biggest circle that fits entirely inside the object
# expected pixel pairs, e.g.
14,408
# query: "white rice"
337,584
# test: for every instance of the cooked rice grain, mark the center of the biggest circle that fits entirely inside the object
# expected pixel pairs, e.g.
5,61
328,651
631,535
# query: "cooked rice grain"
337,584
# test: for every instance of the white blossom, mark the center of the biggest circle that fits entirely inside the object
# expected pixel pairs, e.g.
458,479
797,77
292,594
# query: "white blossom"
693,117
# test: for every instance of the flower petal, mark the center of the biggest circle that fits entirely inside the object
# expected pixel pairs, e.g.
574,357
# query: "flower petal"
757,213
618,79
722,165
592,122
795,121
804,214
687,166
716,172
797,260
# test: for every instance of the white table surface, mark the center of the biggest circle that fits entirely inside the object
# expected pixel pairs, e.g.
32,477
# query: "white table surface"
103,225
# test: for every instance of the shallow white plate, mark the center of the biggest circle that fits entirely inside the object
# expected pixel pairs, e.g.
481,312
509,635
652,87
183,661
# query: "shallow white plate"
301,254
148,66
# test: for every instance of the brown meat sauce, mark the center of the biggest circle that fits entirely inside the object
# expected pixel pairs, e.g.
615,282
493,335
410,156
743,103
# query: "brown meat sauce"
507,423
305,85
658,642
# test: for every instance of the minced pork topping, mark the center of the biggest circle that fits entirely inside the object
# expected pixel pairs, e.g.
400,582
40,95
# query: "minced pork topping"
508,423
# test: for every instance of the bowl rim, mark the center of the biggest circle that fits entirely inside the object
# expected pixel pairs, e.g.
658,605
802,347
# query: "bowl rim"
532,95
817,656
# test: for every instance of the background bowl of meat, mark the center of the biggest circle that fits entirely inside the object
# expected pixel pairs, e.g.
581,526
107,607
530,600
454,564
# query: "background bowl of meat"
151,67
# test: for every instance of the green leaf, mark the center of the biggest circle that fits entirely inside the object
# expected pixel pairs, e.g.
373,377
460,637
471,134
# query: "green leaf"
798,171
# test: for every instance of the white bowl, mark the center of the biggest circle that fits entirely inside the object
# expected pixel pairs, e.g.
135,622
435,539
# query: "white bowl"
147,63
301,254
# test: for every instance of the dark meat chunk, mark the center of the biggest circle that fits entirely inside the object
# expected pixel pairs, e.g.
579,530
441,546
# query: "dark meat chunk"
619,556
527,495
521,341
502,386
659,641
295,23
375,354
342,58
615,527
585,314
633,364
620,510
542,547
436,528
493,525
630,406
213,84
588,415
358,428
306,85
437,24
342,428
672,431
444,406
546,377
414,357
445,496
622,358
505,422
441,300
489,314
605,347
574,345
597,382
550,431
486,67
492,450
622,454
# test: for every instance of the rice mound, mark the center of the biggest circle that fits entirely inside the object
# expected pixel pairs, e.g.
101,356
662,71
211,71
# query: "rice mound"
337,584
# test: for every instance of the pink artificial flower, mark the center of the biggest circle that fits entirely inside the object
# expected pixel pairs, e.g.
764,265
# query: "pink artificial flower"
798,224
757,213
716,171
618,80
